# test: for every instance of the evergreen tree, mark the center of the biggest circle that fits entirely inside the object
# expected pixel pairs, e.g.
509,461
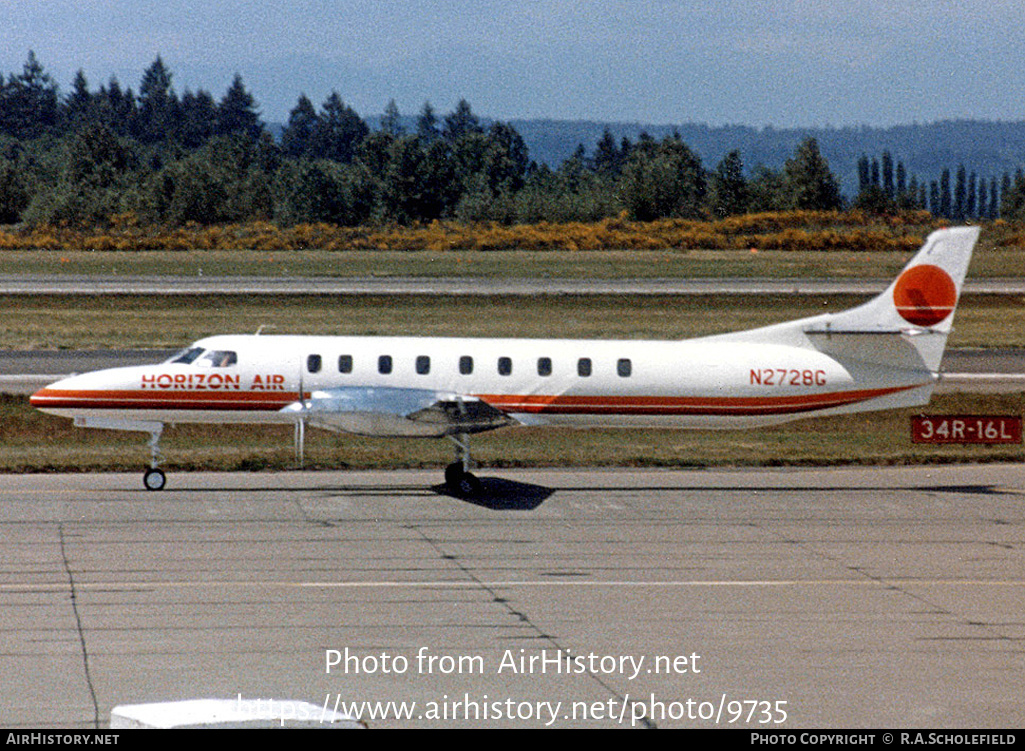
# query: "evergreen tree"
391,122
864,173
199,118
810,184
117,108
338,131
1012,199
972,196
29,105
767,190
960,194
944,196
911,195
728,188
440,186
374,153
427,123
468,153
461,122
404,194
157,119
297,137
237,112
888,187
78,106
505,159
608,157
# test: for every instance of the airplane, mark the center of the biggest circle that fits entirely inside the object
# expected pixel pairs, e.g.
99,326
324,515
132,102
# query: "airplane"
883,354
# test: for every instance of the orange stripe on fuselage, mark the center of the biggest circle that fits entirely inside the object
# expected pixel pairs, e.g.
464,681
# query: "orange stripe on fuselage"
131,399
670,405
510,403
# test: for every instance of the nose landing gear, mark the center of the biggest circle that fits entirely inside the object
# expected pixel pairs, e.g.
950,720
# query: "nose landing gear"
154,478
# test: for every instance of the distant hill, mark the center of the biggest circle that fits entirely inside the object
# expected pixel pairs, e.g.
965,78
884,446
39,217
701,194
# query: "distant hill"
987,148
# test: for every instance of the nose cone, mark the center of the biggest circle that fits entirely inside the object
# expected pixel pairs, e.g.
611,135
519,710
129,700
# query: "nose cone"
81,391
47,395
56,395
38,398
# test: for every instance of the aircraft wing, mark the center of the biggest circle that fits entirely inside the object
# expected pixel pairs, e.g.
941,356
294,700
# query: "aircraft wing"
386,411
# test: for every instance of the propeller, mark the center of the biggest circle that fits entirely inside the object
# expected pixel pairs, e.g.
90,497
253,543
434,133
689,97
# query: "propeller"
300,423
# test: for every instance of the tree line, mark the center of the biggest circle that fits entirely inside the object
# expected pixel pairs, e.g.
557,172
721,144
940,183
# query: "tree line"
884,186
87,156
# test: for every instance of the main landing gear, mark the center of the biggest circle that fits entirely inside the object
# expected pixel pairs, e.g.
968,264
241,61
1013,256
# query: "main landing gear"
457,474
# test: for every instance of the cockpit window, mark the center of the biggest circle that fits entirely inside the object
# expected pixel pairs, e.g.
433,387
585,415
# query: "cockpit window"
187,355
218,359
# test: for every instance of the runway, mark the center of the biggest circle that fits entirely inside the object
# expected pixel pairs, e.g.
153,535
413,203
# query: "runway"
875,597
115,284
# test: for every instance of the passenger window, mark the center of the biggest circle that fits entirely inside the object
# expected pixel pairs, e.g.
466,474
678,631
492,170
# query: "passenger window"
544,366
584,366
314,363
624,367
465,365
384,364
345,363
504,366
423,365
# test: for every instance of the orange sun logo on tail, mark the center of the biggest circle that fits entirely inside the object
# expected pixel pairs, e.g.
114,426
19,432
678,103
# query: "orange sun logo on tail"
925,295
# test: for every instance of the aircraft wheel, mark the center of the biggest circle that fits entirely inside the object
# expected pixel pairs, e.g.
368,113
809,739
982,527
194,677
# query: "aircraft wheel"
454,474
154,479
461,481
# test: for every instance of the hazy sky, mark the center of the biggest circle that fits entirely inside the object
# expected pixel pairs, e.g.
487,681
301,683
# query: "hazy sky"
778,62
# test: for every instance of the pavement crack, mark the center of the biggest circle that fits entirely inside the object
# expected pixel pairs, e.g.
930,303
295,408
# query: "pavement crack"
886,583
78,627
525,618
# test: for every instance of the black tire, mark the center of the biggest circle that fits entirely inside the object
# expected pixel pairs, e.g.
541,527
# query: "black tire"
454,474
154,479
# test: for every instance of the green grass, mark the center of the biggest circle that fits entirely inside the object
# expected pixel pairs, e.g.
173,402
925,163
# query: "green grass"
33,442
73,322
627,264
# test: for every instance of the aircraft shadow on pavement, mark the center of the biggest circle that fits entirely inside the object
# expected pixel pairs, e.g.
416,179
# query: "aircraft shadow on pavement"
500,495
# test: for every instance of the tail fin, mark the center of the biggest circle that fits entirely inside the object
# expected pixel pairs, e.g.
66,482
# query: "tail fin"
905,327
924,296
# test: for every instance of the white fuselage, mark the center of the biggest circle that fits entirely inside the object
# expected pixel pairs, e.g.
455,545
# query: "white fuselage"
618,383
